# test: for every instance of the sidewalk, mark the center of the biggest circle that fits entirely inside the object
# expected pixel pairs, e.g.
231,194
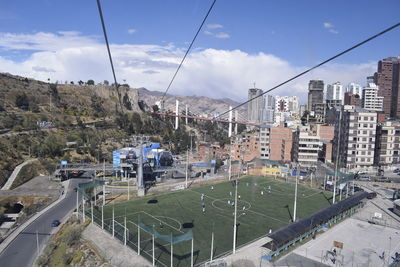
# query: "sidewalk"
112,249
22,227
14,174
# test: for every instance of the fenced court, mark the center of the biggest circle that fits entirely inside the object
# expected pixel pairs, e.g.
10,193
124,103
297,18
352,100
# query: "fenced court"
175,218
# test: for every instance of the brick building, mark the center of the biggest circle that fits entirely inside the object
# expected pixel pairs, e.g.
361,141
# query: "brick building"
281,143
245,146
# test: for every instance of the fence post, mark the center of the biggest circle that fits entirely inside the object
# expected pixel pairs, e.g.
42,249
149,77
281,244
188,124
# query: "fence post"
138,238
102,217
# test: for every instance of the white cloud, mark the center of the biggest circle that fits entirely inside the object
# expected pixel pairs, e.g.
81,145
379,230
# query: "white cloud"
333,31
132,31
214,26
222,35
209,72
330,27
208,33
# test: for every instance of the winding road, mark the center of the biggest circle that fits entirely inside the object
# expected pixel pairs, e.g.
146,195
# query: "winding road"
23,250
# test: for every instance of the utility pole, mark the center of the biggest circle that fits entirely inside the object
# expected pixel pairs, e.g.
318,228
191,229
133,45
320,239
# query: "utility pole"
37,243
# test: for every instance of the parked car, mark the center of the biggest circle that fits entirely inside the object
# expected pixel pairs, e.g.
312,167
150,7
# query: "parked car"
397,170
364,178
55,223
371,195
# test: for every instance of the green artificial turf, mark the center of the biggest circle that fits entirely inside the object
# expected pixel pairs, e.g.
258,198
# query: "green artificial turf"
170,213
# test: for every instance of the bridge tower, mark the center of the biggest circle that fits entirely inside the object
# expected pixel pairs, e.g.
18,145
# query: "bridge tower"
177,115
236,119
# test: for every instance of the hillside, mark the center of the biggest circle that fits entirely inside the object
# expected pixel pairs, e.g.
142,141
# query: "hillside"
196,104
40,120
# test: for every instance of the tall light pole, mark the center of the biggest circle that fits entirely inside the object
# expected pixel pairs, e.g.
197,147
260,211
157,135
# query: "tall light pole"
235,218
295,196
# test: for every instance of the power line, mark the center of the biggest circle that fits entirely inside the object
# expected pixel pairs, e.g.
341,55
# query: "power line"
108,49
316,66
187,51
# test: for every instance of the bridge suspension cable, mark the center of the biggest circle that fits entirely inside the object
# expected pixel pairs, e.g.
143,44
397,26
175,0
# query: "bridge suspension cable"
314,67
187,52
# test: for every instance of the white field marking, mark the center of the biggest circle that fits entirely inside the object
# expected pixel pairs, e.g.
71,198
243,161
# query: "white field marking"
172,219
224,200
162,222
249,210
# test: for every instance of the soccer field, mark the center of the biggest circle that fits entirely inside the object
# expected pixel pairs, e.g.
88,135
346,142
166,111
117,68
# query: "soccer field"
264,204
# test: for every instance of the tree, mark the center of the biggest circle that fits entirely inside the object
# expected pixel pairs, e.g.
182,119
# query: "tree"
22,101
80,82
106,82
72,82
90,82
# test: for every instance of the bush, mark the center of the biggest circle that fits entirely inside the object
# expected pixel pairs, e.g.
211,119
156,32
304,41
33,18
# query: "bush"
72,237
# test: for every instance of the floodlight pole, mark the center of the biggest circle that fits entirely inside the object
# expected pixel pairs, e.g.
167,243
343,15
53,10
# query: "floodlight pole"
187,167
191,255
234,221
172,253
337,155
153,249
212,246
128,187
295,195
102,217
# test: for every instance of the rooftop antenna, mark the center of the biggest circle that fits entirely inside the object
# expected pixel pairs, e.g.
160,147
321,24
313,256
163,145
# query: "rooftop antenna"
254,84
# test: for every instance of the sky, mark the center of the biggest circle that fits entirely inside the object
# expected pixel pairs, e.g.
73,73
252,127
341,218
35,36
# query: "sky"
242,43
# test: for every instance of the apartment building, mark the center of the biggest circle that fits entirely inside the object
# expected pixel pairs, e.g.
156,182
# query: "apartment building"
245,146
354,142
307,146
387,150
265,131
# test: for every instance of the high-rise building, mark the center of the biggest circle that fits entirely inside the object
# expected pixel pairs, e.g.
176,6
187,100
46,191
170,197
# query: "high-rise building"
334,91
354,88
256,106
387,78
269,109
316,104
354,143
352,99
370,98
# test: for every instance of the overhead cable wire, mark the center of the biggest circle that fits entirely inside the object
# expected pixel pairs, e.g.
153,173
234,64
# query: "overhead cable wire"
187,51
312,68
108,49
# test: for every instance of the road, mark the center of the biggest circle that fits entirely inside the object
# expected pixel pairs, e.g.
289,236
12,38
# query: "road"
22,251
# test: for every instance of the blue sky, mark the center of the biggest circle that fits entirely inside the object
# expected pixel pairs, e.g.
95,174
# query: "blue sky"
268,40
